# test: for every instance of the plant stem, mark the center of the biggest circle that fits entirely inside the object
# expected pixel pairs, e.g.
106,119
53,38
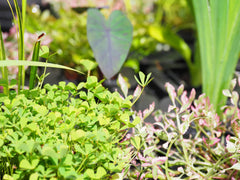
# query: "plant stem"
220,161
168,151
181,139
80,167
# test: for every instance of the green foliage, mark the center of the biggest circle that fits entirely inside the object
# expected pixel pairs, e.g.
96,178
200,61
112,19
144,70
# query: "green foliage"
4,70
158,22
190,141
110,40
20,62
68,34
65,131
20,20
35,57
218,27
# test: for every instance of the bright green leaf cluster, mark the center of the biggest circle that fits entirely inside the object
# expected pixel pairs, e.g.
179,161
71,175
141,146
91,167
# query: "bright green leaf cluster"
65,131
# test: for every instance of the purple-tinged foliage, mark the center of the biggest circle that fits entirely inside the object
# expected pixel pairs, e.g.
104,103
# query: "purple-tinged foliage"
190,140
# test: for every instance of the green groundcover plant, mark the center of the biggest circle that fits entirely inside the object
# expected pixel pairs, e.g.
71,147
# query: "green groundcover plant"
190,141
65,131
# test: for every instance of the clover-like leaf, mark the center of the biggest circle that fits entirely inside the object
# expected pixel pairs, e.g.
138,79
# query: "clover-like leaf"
25,164
77,134
98,175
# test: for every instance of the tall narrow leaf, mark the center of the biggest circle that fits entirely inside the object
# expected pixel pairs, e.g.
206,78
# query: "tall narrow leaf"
218,26
19,21
35,57
21,71
3,69
110,40
9,63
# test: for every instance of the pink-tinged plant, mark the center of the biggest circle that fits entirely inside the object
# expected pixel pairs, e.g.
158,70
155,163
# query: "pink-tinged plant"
189,141
11,46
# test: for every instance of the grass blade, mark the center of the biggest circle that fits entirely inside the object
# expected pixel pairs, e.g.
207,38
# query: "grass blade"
8,63
35,57
21,70
3,69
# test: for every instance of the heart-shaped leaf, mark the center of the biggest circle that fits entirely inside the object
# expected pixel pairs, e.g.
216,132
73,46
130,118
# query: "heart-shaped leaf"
109,39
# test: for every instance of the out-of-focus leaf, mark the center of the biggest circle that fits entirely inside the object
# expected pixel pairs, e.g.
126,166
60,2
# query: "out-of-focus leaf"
136,142
123,85
88,64
110,40
98,175
218,27
166,35
236,166
44,52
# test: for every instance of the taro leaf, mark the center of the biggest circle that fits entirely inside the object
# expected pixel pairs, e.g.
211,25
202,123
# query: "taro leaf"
110,40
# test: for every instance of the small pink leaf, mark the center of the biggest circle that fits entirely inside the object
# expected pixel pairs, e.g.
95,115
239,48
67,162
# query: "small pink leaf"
192,95
235,97
171,92
236,166
123,85
159,160
137,92
180,90
184,97
227,93
170,108
184,127
147,112
233,84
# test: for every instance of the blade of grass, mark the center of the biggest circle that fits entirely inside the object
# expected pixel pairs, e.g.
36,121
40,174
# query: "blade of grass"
24,6
3,69
21,70
8,63
20,35
33,72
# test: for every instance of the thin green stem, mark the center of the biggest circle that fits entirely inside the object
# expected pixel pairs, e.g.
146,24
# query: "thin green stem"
167,155
223,159
81,165
181,139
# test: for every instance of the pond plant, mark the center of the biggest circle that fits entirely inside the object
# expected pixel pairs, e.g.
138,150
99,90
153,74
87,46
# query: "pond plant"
218,31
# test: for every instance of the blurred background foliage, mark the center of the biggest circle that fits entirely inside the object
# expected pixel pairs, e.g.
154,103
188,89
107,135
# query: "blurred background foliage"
65,23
